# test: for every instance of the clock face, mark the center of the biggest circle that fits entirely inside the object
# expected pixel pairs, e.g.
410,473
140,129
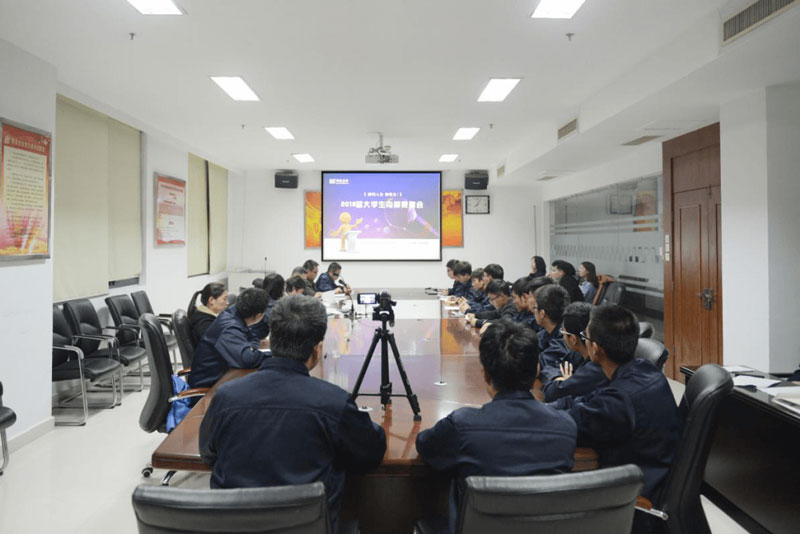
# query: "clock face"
477,204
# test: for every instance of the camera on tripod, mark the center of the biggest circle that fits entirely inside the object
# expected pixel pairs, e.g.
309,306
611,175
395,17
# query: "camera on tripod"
384,312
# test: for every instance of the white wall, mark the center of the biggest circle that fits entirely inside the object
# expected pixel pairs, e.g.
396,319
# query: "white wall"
271,224
27,95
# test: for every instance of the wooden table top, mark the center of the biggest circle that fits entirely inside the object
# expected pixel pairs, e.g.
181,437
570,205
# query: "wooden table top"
440,357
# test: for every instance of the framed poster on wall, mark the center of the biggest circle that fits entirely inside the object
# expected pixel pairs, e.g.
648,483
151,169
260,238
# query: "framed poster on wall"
452,218
313,219
24,192
170,195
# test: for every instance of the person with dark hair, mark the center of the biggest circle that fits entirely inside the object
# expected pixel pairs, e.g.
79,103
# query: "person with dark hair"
530,288
634,419
476,298
523,313
296,285
499,292
312,268
275,286
298,271
564,273
513,434
281,426
214,300
451,275
548,304
229,341
590,284
492,272
327,281
538,267
462,271
582,378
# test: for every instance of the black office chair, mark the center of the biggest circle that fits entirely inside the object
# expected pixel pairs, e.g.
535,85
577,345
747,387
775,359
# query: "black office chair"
301,509
232,299
612,293
70,363
183,333
653,351
7,418
679,505
600,502
646,330
159,400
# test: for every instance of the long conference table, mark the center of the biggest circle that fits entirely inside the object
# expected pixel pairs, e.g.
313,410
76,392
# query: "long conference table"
440,356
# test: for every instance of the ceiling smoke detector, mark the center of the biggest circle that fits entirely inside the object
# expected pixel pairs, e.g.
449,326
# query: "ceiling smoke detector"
381,155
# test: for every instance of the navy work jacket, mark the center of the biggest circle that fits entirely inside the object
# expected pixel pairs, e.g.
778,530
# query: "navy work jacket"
507,312
460,289
280,426
513,435
633,420
585,378
478,301
227,343
553,351
526,318
325,283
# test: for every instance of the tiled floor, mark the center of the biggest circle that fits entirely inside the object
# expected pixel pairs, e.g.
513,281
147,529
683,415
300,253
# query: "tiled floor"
80,479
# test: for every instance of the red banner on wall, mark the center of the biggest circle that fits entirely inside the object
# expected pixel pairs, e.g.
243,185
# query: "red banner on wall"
170,211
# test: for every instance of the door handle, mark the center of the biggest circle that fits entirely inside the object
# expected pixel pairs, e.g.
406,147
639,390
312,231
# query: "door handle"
707,298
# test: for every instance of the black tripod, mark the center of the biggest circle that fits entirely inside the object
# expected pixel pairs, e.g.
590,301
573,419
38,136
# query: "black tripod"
386,338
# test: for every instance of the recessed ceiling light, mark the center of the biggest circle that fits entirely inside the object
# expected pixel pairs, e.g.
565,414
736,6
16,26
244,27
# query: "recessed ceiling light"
465,134
448,158
156,7
303,158
279,132
236,88
557,9
497,89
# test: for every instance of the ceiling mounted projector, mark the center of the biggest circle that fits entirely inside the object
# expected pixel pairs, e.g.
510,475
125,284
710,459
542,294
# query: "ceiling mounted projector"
380,154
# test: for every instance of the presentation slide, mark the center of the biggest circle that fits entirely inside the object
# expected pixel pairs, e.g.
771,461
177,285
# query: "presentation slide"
381,216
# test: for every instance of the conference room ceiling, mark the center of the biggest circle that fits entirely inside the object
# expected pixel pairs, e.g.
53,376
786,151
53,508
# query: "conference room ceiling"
334,71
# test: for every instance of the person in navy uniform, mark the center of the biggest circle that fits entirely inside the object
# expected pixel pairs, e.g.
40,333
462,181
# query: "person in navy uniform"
514,434
280,426
502,306
311,269
450,265
634,419
327,281
528,292
568,379
230,341
462,271
523,313
548,304
476,298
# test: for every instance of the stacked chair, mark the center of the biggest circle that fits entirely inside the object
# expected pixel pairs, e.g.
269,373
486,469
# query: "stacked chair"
7,418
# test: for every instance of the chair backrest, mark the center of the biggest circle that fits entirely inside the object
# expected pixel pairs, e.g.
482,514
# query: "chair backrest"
156,407
123,312
298,509
601,502
82,319
646,330
653,351
702,398
141,302
613,294
62,335
183,335
232,299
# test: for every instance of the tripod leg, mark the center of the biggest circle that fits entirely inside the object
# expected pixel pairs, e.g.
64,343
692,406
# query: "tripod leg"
365,365
386,385
412,398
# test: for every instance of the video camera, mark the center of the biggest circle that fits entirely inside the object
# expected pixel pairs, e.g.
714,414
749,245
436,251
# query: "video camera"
383,311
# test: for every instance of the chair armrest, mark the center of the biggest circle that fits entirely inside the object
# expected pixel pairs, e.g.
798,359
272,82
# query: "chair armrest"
97,337
644,505
70,348
134,327
196,392
184,372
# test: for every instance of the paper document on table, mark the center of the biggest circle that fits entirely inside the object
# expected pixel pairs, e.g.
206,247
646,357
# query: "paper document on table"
790,403
787,391
450,308
757,381
738,369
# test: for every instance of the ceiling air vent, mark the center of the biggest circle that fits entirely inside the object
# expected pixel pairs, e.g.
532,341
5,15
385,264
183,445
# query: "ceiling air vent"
641,140
568,129
756,14
501,171
549,175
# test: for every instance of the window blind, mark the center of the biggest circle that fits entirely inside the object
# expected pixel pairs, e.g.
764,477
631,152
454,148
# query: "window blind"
197,217
218,217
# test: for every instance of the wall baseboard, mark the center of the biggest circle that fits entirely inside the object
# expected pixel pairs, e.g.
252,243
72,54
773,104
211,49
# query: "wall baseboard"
28,436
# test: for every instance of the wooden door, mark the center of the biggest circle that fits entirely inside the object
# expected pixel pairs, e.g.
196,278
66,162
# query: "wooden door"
692,269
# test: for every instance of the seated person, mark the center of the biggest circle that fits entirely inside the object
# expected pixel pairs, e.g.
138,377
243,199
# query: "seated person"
634,419
538,267
327,280
312,268
523,313
280,426
586,376
590,284
229,341
462,271
548,304
503,307
451,275
299,271
295,285
274,286
530,288
492,272
214,299
514,434
476,298
564,273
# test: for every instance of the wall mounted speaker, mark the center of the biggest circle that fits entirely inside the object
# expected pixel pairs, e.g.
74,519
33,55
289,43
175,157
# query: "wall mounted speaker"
476,180
286,179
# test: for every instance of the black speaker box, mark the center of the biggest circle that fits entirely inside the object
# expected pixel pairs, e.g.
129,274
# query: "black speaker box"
476,180
286,180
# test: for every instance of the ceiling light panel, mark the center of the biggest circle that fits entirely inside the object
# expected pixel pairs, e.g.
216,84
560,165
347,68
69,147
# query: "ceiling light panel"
498,89
279,132
448,158
557,9
303,158
156,7
236,88
465,134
